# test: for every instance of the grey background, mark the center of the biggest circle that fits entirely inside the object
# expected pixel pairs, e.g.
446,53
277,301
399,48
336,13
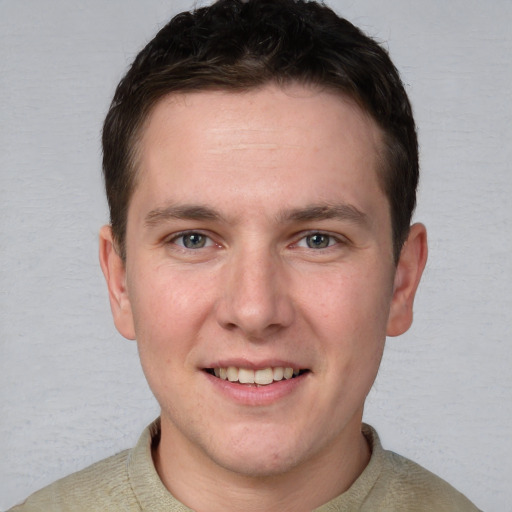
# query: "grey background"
71,391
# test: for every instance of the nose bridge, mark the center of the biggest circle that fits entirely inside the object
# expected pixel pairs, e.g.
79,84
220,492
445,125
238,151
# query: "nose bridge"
255,299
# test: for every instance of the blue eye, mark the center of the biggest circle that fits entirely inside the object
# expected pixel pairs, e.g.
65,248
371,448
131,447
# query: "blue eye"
317,241
192,240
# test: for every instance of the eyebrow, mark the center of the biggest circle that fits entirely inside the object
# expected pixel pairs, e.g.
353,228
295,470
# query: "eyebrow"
342,211
190,212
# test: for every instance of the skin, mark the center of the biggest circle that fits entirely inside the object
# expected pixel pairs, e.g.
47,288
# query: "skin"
251,175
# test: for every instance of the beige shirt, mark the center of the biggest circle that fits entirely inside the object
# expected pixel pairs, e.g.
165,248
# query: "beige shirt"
128,481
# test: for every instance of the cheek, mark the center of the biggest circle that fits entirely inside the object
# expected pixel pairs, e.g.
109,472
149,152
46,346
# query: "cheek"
167,308
166,295
164,327
350,318
351,303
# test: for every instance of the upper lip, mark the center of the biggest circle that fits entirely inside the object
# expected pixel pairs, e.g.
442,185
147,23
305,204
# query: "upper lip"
255,365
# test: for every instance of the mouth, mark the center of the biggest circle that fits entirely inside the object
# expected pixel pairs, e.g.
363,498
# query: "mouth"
262,377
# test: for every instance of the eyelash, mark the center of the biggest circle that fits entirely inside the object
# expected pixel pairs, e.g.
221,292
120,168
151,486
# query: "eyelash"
177,236
332,240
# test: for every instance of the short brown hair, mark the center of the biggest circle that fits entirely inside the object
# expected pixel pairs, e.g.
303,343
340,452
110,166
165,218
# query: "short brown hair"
239,45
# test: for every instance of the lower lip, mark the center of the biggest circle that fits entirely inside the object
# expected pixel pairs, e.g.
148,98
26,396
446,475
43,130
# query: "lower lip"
254,395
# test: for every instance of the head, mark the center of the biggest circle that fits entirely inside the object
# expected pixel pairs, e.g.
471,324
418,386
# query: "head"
237,45
260,161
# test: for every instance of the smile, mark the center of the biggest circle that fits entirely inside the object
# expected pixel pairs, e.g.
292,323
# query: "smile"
262,377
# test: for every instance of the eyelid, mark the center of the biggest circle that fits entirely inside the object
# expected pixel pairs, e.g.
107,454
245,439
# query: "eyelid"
336,237
171,239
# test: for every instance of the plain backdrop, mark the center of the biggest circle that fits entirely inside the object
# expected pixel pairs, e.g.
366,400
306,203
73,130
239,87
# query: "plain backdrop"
71,390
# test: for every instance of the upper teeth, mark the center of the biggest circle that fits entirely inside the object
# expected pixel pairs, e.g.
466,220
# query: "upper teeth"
261,377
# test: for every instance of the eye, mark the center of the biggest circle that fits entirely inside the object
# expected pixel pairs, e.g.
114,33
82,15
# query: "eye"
317,241
192,240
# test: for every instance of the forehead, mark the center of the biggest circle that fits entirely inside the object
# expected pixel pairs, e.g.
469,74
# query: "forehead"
297,140
263,107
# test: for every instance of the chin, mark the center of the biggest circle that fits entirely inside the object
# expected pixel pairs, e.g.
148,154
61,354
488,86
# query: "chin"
264,466
258,458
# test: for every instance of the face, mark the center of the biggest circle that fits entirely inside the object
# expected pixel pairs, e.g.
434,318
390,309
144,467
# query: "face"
259,247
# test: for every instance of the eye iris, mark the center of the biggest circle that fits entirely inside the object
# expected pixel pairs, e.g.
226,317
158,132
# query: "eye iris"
194,241
317,241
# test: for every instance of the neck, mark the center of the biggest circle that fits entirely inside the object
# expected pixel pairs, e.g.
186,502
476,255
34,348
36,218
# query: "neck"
205,486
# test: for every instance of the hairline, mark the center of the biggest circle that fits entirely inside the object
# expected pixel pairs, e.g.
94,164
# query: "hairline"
134,142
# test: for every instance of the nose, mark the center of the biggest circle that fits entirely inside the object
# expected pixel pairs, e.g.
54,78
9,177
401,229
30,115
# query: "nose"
256,296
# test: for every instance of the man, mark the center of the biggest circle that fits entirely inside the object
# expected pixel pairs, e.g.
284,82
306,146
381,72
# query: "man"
261,163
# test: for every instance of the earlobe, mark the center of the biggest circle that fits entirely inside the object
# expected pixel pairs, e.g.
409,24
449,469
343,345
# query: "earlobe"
114,270
413,258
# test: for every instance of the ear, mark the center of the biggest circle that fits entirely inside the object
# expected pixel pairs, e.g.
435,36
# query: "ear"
114,270
413,258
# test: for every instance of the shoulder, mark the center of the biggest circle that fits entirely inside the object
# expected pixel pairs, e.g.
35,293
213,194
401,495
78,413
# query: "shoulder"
404,485
101,486
126,482
419,489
